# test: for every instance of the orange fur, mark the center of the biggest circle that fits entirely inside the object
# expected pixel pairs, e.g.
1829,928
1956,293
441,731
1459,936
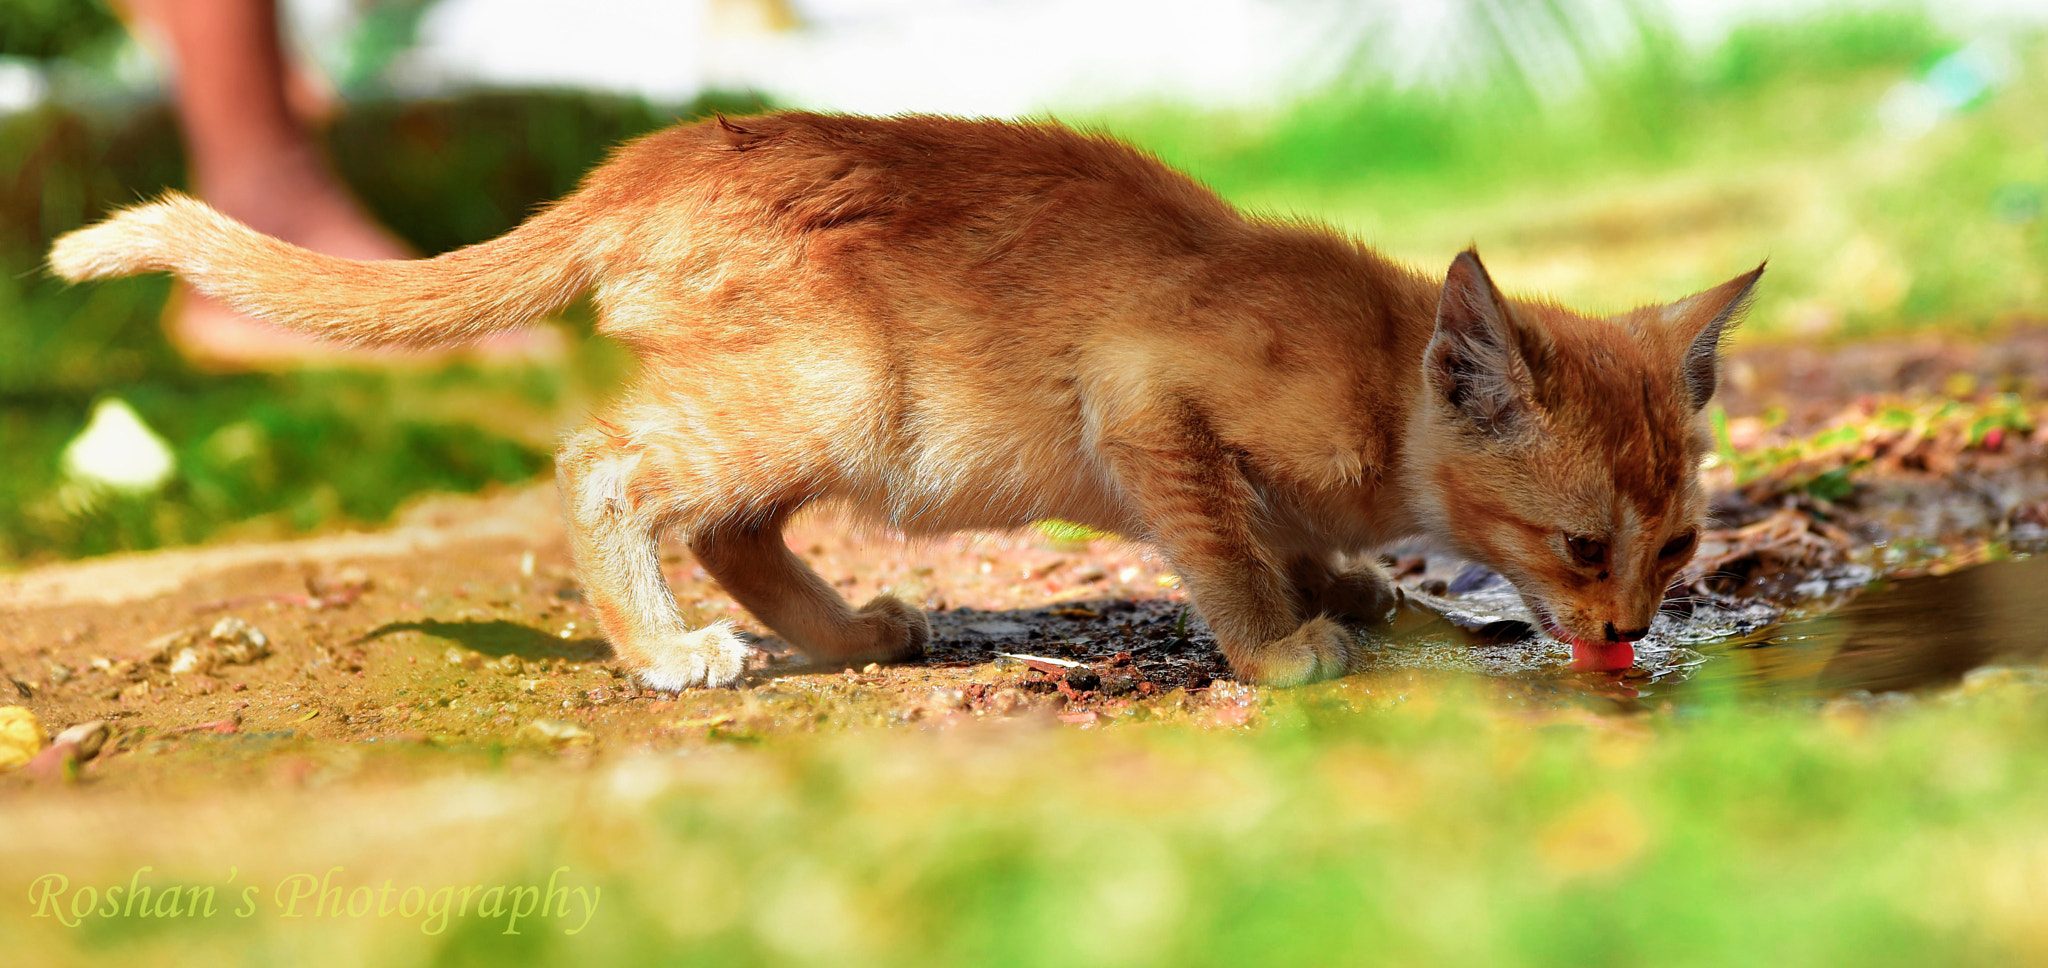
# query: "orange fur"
950,324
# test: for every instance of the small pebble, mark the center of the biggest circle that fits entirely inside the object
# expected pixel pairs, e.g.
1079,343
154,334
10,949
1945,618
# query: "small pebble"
161,648
188,660
1008,701
85,738
238,641
555,732
59,761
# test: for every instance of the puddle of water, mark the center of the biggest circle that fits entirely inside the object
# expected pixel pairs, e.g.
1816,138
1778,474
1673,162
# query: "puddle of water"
1487,629
1909,634
1888,636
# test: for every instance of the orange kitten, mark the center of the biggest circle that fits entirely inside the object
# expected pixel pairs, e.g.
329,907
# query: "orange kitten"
950,325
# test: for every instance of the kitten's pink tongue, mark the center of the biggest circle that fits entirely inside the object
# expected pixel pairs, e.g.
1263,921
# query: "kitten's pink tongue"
1602,656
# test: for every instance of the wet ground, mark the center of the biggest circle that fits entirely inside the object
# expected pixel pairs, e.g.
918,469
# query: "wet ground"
461,628
1906,635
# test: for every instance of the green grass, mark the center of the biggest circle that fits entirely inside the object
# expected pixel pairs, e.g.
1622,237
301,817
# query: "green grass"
1368,822
289,453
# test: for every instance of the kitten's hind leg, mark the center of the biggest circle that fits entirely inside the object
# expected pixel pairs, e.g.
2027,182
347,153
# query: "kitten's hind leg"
754,566
615,519
1360,595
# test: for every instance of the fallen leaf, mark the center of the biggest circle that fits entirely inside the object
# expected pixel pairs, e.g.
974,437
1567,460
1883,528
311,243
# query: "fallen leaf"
21,736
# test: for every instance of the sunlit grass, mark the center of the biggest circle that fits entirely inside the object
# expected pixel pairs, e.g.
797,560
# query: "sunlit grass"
290,452
1367,822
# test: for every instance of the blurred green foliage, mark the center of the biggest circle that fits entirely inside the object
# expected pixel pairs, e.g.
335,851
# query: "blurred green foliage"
45,29
1661,106
387,29
1672,168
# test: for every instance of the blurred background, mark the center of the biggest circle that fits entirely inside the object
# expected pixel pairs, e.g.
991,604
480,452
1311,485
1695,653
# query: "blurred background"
1890,160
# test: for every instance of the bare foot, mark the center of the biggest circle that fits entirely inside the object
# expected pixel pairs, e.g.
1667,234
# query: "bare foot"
247,114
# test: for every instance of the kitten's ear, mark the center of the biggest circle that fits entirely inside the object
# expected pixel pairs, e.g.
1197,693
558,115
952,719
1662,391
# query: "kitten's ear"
1701,323
1473,361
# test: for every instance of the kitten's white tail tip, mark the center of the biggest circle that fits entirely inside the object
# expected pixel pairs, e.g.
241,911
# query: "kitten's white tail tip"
130,242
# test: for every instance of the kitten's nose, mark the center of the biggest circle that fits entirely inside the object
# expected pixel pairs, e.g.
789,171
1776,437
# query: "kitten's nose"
1614,635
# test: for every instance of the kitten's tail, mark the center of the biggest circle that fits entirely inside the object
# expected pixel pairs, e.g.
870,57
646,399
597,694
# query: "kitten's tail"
457,297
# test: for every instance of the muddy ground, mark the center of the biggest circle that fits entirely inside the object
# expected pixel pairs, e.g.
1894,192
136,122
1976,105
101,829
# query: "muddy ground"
460,627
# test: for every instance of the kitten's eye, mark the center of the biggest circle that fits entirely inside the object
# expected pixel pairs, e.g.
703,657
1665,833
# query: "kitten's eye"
1678,546
1586,551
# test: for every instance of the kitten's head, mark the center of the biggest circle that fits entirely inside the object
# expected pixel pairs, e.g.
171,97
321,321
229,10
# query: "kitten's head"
1564,450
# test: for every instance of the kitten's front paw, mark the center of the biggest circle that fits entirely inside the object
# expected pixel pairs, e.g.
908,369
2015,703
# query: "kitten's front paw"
1319,649
898,629
710,656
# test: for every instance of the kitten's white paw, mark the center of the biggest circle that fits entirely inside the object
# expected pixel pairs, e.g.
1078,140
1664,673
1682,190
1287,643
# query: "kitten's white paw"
710,656
1320,649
